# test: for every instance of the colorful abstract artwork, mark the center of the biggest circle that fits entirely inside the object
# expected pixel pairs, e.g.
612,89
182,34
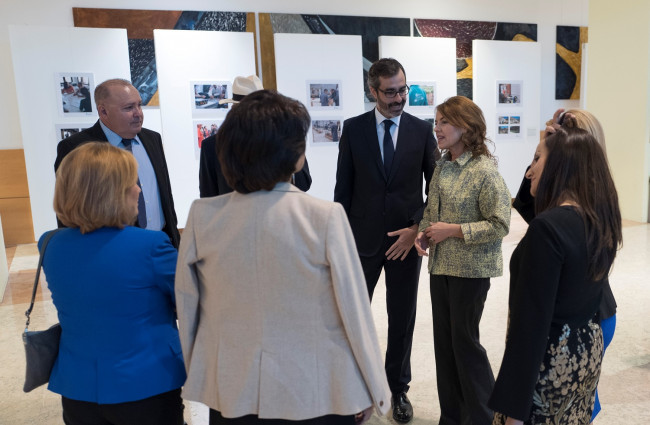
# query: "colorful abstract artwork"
369,28
140,25
568,61
467,31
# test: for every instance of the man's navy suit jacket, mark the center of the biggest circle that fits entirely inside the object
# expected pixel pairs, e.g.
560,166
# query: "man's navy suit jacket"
374,202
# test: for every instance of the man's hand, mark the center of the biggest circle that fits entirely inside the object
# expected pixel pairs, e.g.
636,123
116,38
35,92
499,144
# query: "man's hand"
403,244
422,244
513,421
438,232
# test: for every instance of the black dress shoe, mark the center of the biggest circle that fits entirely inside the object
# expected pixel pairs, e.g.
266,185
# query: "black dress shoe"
402,409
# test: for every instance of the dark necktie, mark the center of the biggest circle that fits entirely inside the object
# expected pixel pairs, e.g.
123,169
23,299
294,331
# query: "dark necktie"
142,209
389,149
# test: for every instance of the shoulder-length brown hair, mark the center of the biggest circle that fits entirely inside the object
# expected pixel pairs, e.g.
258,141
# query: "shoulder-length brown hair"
576,170
464,114
91,185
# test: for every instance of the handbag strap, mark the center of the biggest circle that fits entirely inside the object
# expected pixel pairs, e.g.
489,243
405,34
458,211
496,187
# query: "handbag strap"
38,273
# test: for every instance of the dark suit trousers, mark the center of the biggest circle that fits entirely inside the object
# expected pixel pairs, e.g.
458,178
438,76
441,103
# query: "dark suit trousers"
464,375
401,302
161,409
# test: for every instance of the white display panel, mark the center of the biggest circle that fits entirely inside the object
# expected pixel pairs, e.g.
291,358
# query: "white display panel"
39,54
183,58
498,63
425,60
302,60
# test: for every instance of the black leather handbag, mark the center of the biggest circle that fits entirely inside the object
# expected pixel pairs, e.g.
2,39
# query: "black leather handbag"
41,347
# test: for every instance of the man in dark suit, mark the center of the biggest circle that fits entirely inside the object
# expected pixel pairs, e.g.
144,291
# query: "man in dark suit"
211,179
120,123
383,156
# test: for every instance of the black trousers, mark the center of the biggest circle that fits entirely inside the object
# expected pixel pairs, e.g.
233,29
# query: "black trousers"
464,375
401,301
161,409
217,419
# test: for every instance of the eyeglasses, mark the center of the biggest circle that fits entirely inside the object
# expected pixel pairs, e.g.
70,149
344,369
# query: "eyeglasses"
391,93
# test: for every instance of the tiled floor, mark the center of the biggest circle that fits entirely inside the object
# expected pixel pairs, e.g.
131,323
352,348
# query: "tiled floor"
625,379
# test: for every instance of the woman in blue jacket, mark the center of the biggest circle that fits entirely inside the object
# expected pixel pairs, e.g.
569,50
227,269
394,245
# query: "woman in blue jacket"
120,358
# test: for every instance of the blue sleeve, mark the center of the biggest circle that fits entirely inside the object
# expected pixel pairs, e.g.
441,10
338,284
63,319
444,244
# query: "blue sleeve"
164,256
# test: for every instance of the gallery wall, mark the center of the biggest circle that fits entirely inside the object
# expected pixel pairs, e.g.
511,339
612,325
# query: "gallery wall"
618,61
41,13
547,14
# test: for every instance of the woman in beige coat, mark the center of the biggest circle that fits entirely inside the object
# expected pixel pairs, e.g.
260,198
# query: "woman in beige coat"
274,315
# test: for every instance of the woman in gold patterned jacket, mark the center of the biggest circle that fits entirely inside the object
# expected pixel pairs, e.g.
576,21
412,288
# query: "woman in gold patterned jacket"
467,216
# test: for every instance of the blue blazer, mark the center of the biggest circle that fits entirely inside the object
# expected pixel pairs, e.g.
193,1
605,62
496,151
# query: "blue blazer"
114,293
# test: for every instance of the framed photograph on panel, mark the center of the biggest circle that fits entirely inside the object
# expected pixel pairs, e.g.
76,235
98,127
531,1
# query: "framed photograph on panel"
66,130
323,94
508,126
74,93
325,131
422,95
207,94
202,130
509,93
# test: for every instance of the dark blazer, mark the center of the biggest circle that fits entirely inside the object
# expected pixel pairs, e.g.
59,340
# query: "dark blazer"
152,143
213,183
524,203
376,203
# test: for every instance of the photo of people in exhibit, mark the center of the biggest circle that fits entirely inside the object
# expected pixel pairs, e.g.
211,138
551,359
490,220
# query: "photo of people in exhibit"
74,91
324,95
206,95
509,92
205,129
326,131
422,94
63,131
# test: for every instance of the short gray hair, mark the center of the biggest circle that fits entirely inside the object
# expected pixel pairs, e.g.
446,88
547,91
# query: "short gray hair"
102,91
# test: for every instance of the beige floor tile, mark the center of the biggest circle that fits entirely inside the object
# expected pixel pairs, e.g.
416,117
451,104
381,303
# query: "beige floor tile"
624,387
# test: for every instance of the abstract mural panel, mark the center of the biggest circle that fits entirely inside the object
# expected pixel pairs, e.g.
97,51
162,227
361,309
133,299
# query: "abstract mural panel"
369,28
140,24
467,31
568,61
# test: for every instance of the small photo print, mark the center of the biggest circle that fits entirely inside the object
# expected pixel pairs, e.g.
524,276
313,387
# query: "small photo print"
74,91
202,130
422,94
508,126
324,94
326,131
206,95
63,131
509,92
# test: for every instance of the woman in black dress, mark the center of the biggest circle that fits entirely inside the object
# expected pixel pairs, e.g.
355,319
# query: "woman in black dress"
554,345
524,203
